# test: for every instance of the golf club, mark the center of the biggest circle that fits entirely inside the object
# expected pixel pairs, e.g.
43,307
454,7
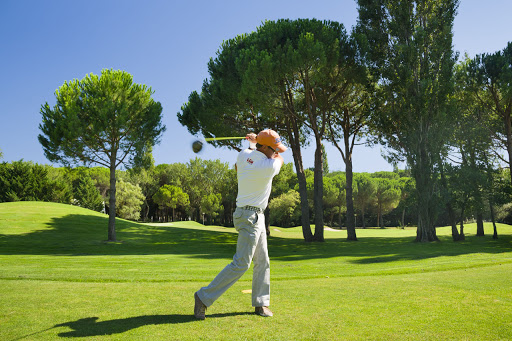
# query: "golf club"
198,145
224,138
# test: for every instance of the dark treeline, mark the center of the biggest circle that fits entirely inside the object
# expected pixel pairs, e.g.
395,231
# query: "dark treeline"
395,80
205,191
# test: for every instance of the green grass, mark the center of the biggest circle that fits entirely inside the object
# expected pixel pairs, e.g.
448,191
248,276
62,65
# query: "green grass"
59,279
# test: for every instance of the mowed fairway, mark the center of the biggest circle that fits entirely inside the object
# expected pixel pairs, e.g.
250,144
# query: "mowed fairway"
60,280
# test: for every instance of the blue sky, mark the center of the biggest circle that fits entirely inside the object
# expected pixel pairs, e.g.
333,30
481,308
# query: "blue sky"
166,45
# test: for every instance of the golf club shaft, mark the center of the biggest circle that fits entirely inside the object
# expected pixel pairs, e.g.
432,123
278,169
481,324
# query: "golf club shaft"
224,138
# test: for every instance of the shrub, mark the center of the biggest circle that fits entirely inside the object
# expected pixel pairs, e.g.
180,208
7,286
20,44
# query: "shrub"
129,199
285,209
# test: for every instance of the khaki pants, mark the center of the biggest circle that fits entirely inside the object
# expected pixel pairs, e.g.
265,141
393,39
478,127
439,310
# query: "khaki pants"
251,245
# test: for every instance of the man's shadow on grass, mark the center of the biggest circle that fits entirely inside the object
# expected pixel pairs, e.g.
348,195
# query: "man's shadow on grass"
91,327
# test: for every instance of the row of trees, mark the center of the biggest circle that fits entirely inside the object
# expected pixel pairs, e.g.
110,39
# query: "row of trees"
394,80
199,190
85,187
206,192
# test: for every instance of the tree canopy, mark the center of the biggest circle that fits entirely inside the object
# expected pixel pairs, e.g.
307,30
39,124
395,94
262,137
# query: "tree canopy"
490,75
289,75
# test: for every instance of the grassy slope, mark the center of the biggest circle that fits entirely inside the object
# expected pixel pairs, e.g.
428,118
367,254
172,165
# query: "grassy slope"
57,272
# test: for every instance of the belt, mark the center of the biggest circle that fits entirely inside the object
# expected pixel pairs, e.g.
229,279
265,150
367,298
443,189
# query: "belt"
252,208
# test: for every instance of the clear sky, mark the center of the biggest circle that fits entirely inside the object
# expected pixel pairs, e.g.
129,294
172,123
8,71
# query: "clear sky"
166,45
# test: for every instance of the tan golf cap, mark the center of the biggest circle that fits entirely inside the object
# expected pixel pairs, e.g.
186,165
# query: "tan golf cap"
270,138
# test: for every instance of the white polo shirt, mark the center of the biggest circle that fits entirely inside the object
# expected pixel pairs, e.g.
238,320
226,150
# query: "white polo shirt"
255,172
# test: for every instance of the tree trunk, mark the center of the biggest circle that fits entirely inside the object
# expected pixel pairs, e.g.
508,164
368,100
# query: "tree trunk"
463,209
426,231
451,214
350,220
403,218
378,216
293,138
331,218
146,216
112,200
479,203
456,236
267,220
381,217
462,214
363,218
508,130
495,230
304,206
479,224
318,193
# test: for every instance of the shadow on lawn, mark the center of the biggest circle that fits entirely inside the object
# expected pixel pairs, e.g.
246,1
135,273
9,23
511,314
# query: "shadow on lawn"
83,235
370,250
89,326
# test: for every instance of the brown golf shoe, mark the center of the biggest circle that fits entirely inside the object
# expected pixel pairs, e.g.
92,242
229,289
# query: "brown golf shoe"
199,308
263,311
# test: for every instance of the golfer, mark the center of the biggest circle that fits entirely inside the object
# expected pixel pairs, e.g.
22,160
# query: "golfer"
255,170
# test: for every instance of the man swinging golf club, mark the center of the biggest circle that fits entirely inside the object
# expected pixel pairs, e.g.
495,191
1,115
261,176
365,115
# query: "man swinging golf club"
255,170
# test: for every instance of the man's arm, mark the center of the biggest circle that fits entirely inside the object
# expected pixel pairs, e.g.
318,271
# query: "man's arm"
251,137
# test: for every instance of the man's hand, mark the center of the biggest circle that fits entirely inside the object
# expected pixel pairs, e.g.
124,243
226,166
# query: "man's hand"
251,137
